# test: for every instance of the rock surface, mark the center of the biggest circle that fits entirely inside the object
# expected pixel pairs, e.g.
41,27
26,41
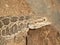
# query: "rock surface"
47,35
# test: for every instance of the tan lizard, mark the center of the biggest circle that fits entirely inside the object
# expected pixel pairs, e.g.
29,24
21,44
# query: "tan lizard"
11,26
16,27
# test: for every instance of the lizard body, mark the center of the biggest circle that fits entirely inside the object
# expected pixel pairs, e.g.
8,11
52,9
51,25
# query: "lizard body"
11,26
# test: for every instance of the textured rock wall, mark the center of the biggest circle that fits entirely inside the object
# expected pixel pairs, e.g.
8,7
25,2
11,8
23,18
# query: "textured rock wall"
47,35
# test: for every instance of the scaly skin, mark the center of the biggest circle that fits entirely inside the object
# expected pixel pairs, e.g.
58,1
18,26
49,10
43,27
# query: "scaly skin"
10,26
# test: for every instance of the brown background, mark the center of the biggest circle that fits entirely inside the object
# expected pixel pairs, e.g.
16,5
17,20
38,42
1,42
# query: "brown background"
48,8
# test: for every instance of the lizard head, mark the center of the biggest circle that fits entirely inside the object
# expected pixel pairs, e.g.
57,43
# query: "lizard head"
37,22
